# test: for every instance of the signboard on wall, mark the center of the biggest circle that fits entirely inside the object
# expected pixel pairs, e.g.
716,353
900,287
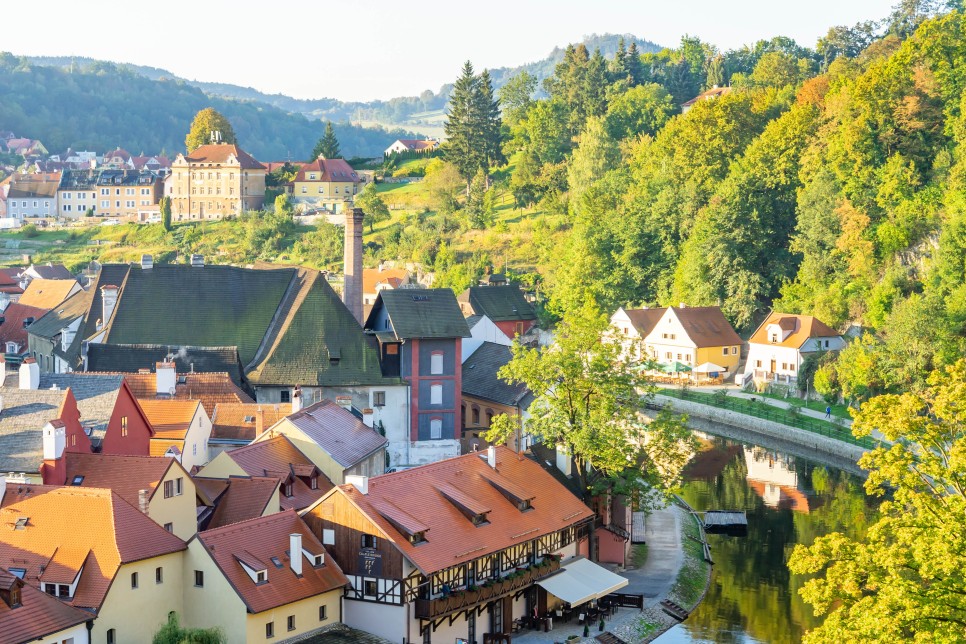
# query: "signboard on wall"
370,562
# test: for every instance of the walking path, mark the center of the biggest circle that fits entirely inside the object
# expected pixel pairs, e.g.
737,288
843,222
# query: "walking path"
654,580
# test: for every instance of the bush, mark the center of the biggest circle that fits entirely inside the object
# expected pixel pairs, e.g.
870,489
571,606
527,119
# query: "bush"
30,230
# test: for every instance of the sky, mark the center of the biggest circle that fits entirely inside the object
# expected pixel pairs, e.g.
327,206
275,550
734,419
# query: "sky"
378,49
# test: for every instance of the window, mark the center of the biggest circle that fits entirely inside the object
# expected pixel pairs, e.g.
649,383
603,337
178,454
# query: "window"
261,577
476,415
269,630
369,589
123,425
159,575
774,337
169,527
436,394
724,351
194,449
734,351
199,578
826,344
173,488
314,483
286,396
379,399
322,614
304,190
63,591
111,636
791,366
134,580
288,490
18,572
291,622
679,357
436,363
369,541
436,428
758,363
668,355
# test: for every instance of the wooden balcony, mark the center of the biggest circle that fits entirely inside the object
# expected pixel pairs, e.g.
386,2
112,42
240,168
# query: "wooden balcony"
488,591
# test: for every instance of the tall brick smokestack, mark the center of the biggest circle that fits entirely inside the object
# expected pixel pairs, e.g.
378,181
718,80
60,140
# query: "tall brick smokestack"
352,291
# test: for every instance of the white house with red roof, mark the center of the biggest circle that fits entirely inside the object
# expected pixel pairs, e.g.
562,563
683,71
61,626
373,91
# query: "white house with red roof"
777,349
412,145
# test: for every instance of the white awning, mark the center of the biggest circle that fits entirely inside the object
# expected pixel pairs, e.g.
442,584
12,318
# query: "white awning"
580,581
709,367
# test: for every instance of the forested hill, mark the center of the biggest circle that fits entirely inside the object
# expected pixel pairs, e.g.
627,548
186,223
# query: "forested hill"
389,110
101,105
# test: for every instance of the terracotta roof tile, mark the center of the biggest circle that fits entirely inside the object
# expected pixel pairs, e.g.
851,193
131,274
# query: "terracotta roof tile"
38,615
210,389
171,419
47,294
327,171
241,498
220,152
644,320
451,538
802,328
126,475
276,457
373,277
707,326
259,540
13,328
77,520
236,421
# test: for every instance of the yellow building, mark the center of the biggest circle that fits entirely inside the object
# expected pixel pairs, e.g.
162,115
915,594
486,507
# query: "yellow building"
215,181
267,578
325,184
159,486
694,336
117,564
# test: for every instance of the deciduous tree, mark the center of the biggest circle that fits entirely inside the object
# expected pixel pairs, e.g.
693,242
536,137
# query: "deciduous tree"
205,123
372,205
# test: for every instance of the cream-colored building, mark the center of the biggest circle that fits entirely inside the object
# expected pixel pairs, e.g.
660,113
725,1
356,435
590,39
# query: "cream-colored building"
694,336
214,181
181,429
160,487
329,184
265,579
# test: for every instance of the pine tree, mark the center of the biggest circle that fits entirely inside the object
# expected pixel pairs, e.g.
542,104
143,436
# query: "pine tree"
618,70
635,69
328,145
487,116
463,147
715,72
165,205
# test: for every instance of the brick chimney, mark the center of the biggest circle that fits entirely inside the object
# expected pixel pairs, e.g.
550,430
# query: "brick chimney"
352,290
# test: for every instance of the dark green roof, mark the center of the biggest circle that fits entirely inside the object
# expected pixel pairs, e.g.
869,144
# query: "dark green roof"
129,358
318,342
56,319
421,313
499,303
213,306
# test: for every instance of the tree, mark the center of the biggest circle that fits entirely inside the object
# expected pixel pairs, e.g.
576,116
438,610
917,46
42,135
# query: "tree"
463,146
283,206
588,403
640,110
443,185
372,205
173,633
516,97
905,581
165,205
328,146
486,110
206,123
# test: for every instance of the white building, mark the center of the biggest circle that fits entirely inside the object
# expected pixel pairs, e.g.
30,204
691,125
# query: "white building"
779,346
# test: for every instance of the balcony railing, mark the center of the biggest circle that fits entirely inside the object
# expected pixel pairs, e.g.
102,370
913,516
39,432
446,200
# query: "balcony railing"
486,591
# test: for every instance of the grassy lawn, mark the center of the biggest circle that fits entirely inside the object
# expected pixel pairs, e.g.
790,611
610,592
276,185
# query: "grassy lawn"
842,411
693,576
639,554
763,410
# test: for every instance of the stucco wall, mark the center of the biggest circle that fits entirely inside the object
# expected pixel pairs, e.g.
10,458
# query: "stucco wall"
215,604
177,510
388,622
136,614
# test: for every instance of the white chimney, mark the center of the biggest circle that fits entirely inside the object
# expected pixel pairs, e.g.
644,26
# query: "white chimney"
491,456
367,417
108,302
165,378
3,371
297,399
3,487
295,552
147,262
360,482
54,440
682,305
30,374
563,460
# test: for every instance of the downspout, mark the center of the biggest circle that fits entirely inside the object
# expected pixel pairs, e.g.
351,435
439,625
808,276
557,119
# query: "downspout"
90,627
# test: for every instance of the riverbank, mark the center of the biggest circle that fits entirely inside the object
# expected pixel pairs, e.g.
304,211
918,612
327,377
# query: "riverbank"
826,447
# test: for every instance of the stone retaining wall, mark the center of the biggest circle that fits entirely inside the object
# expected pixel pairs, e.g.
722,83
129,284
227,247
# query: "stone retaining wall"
731,424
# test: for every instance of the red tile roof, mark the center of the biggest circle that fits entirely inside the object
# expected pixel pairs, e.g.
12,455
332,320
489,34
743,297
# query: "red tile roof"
236,421
126,475
373,277
258,541
706,326
277,457
38,616
209,388
12,328
802,328
170,418
708,95
77,520
644,320
452,538
220,152
47,294
240,499
328,170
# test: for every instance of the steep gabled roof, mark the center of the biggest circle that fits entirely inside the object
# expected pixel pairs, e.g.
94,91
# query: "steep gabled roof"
13,329
96,395
131,358
24,414
499,303
209,389
239,498
78,520
50,271
59,317
236,421
278,458
373,277
327,171
421,313
47,294
340,434
260,540
644,320
480,377
170,418
220,152
802,328
707,326
452,538
126,475
38,616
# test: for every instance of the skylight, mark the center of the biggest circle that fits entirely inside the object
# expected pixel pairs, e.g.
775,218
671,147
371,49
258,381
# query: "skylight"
21,523
18,572
277,562
77,480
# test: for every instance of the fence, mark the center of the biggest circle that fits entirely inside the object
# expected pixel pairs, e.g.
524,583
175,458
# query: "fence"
774,414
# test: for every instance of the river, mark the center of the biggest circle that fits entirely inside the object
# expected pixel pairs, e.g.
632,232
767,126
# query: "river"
789,500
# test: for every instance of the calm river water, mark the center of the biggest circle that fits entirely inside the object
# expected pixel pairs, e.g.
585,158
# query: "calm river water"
789,500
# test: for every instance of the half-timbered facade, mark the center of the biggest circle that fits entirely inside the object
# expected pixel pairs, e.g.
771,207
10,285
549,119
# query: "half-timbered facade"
454,549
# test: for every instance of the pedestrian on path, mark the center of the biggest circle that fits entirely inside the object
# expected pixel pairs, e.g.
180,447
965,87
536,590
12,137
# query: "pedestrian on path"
828,412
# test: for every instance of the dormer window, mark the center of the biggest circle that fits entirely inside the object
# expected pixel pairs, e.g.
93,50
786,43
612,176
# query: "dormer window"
480,519
261,576
524,506
19,573
317,560
288,490
77,480
314,483
417,538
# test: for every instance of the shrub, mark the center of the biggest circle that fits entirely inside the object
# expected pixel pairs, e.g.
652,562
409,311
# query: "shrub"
30,230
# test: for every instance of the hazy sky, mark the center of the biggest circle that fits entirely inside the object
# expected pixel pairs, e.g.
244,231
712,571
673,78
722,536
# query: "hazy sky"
365,49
